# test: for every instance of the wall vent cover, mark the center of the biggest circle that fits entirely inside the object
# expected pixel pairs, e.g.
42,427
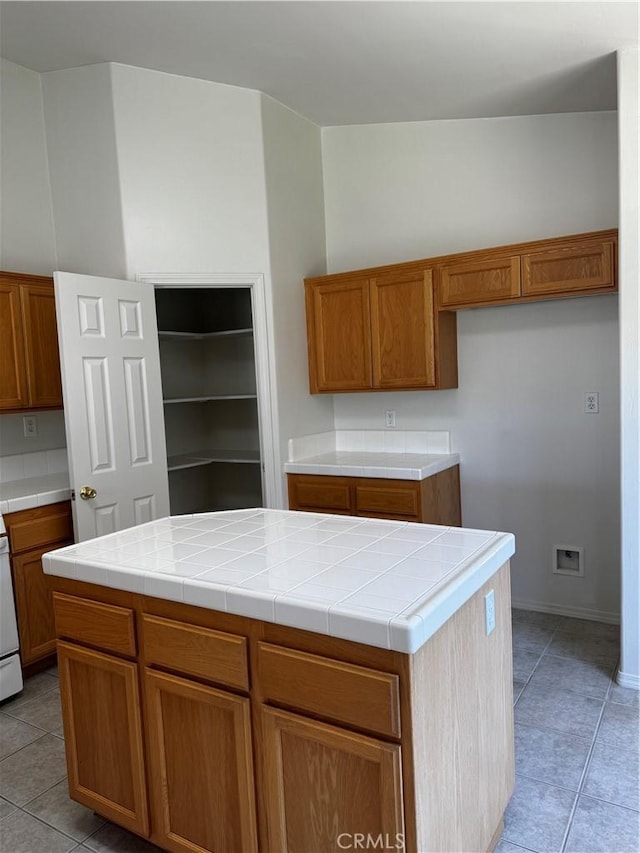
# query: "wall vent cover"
568,560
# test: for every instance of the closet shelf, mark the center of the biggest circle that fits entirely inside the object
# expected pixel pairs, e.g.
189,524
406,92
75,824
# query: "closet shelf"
206,457
166,335
206,399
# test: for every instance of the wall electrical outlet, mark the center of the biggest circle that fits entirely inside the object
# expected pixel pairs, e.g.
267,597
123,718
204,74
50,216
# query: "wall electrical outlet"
489,612
390,418
30,426
592,402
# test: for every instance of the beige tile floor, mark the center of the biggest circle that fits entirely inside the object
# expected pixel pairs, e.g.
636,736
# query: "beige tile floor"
576,754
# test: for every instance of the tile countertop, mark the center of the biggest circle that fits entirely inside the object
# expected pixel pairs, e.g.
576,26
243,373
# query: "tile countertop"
383,583
388,466
46,489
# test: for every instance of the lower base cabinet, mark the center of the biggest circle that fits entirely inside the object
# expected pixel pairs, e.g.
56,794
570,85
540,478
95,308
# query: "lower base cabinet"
207,732
329,787
201,766
103,735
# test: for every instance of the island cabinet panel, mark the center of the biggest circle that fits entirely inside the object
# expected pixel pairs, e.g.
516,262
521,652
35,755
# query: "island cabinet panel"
324,785
339,691
570,267
477,281
103,735
105,626
339,329
201,762
402,325
211,655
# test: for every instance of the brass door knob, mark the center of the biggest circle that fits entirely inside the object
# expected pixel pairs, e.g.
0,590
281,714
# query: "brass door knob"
88,493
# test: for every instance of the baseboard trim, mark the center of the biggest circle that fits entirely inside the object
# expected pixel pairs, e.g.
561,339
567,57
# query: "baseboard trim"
626,679
566,610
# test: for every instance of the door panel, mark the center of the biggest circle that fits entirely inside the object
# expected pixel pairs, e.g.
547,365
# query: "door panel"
201,766
13,376
339,336
103,735
403,340
34,605
41,346
113,401
324,785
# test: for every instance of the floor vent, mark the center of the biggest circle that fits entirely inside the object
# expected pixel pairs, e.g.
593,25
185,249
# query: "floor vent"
568,560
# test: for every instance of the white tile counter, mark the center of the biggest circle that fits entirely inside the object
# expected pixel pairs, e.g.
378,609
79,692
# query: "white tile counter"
31,492
384,583
386,466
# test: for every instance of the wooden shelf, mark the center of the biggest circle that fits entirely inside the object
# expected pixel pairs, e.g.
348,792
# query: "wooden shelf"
206,457
166,335
209,397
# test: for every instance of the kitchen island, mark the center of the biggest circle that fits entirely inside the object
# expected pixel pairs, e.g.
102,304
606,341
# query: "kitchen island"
282,681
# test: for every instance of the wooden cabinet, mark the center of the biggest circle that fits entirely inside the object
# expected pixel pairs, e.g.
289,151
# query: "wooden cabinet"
581,265
323,785
201,766
378,332
29,358
32,532
331,738
434,500
103,735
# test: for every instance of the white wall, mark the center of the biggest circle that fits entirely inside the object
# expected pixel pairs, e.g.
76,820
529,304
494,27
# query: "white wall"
628,120
532,462
84,175
191,174
295,207
27,242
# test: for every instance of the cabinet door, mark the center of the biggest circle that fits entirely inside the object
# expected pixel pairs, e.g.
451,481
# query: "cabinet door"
339,334
402,330
324,784
41,346
569,268
103,735
476,282
201,766
13,376
34,605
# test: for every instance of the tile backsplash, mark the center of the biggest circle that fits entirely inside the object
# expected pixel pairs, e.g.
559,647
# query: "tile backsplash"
369,441
22,466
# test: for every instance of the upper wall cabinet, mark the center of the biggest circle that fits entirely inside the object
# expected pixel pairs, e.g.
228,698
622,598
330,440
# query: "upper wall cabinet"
546,269
379,332
29,360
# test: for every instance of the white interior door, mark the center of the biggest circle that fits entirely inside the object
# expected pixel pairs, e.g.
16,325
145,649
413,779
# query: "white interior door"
113,410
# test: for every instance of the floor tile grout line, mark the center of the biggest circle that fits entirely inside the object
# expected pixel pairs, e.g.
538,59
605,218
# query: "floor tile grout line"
585,771
24,746
46,823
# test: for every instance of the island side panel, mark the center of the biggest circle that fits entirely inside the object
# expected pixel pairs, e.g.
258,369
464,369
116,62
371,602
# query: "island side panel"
462,752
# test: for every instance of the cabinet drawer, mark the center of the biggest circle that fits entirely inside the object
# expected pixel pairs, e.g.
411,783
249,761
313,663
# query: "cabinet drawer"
392,500
331,494
339,691
474,282
104,626
567,269
35,528
202,652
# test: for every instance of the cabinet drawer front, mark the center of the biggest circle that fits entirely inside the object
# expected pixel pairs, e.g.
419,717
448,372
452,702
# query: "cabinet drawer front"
392,500
35,528
104,626
588,266
327,493
338,691
475,282
202,652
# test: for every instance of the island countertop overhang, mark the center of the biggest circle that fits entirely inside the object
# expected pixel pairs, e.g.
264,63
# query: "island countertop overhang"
382,583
